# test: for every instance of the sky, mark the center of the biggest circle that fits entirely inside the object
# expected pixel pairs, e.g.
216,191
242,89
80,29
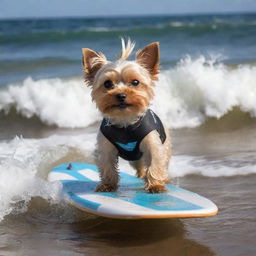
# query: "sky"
87,8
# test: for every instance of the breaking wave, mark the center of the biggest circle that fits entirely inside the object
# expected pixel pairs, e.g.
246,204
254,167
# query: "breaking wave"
186,95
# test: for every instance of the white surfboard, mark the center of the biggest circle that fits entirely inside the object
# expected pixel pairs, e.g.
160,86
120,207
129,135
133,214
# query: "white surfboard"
130,201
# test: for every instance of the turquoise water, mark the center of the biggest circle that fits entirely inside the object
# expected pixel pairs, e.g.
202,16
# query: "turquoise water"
43,48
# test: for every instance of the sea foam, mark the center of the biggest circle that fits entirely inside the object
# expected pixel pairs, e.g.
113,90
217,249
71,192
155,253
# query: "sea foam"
25,163
186,95
197,89
65,103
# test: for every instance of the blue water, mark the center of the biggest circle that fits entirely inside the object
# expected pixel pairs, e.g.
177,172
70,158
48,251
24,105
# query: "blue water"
217,97
45,48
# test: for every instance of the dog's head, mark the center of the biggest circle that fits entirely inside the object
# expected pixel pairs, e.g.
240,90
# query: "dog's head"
122,89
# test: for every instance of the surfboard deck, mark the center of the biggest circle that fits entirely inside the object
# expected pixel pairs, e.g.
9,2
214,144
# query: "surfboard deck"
130,201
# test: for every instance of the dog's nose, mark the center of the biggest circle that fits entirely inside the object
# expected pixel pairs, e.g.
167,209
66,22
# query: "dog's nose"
121,97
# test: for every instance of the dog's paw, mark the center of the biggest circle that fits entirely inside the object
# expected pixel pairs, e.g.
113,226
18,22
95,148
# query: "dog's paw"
106,188
156,189
141,175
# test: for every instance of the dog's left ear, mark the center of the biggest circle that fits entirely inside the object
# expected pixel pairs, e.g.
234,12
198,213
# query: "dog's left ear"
149,58
92,62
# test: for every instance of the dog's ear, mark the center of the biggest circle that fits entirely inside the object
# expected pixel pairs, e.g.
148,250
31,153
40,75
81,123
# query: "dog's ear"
92,62
149,58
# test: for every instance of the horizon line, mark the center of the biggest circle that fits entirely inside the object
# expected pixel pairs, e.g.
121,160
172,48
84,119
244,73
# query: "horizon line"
131,15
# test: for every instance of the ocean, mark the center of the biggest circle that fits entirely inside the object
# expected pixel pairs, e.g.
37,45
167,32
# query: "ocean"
206,95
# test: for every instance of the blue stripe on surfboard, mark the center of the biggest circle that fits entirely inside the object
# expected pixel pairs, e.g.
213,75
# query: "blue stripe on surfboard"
160,202
151,201
73,187
83,202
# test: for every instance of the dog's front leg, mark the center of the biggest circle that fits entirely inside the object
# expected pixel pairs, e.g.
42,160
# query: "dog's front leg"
107,162
156,157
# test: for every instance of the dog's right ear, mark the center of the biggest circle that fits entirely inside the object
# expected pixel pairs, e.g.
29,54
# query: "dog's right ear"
92,62
149,58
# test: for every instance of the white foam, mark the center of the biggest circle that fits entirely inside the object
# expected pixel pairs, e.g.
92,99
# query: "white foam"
65,103
191,92
184,165
177,24
197,89
24,164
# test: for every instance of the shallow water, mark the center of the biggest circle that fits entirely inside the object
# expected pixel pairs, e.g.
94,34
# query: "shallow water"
51,227
53,230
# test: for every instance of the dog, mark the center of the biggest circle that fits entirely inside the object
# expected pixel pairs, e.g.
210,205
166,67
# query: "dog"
123,92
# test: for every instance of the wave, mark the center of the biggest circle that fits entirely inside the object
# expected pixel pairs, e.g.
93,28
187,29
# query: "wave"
28,162
24,164
193,91
198,89
64,103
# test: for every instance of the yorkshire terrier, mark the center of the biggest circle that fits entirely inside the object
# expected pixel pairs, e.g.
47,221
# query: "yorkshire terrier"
123,91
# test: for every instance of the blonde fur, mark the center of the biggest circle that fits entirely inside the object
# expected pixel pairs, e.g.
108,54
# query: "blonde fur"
127,49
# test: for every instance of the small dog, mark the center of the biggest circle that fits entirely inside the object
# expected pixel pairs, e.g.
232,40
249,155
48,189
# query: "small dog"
123,91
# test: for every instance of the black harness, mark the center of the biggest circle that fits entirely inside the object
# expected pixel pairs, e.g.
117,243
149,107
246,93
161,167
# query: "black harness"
127,139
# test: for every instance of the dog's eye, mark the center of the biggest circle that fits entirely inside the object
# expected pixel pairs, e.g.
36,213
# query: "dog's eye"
135,82
108,84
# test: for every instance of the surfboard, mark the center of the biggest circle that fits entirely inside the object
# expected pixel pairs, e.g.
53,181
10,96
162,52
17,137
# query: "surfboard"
130,201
